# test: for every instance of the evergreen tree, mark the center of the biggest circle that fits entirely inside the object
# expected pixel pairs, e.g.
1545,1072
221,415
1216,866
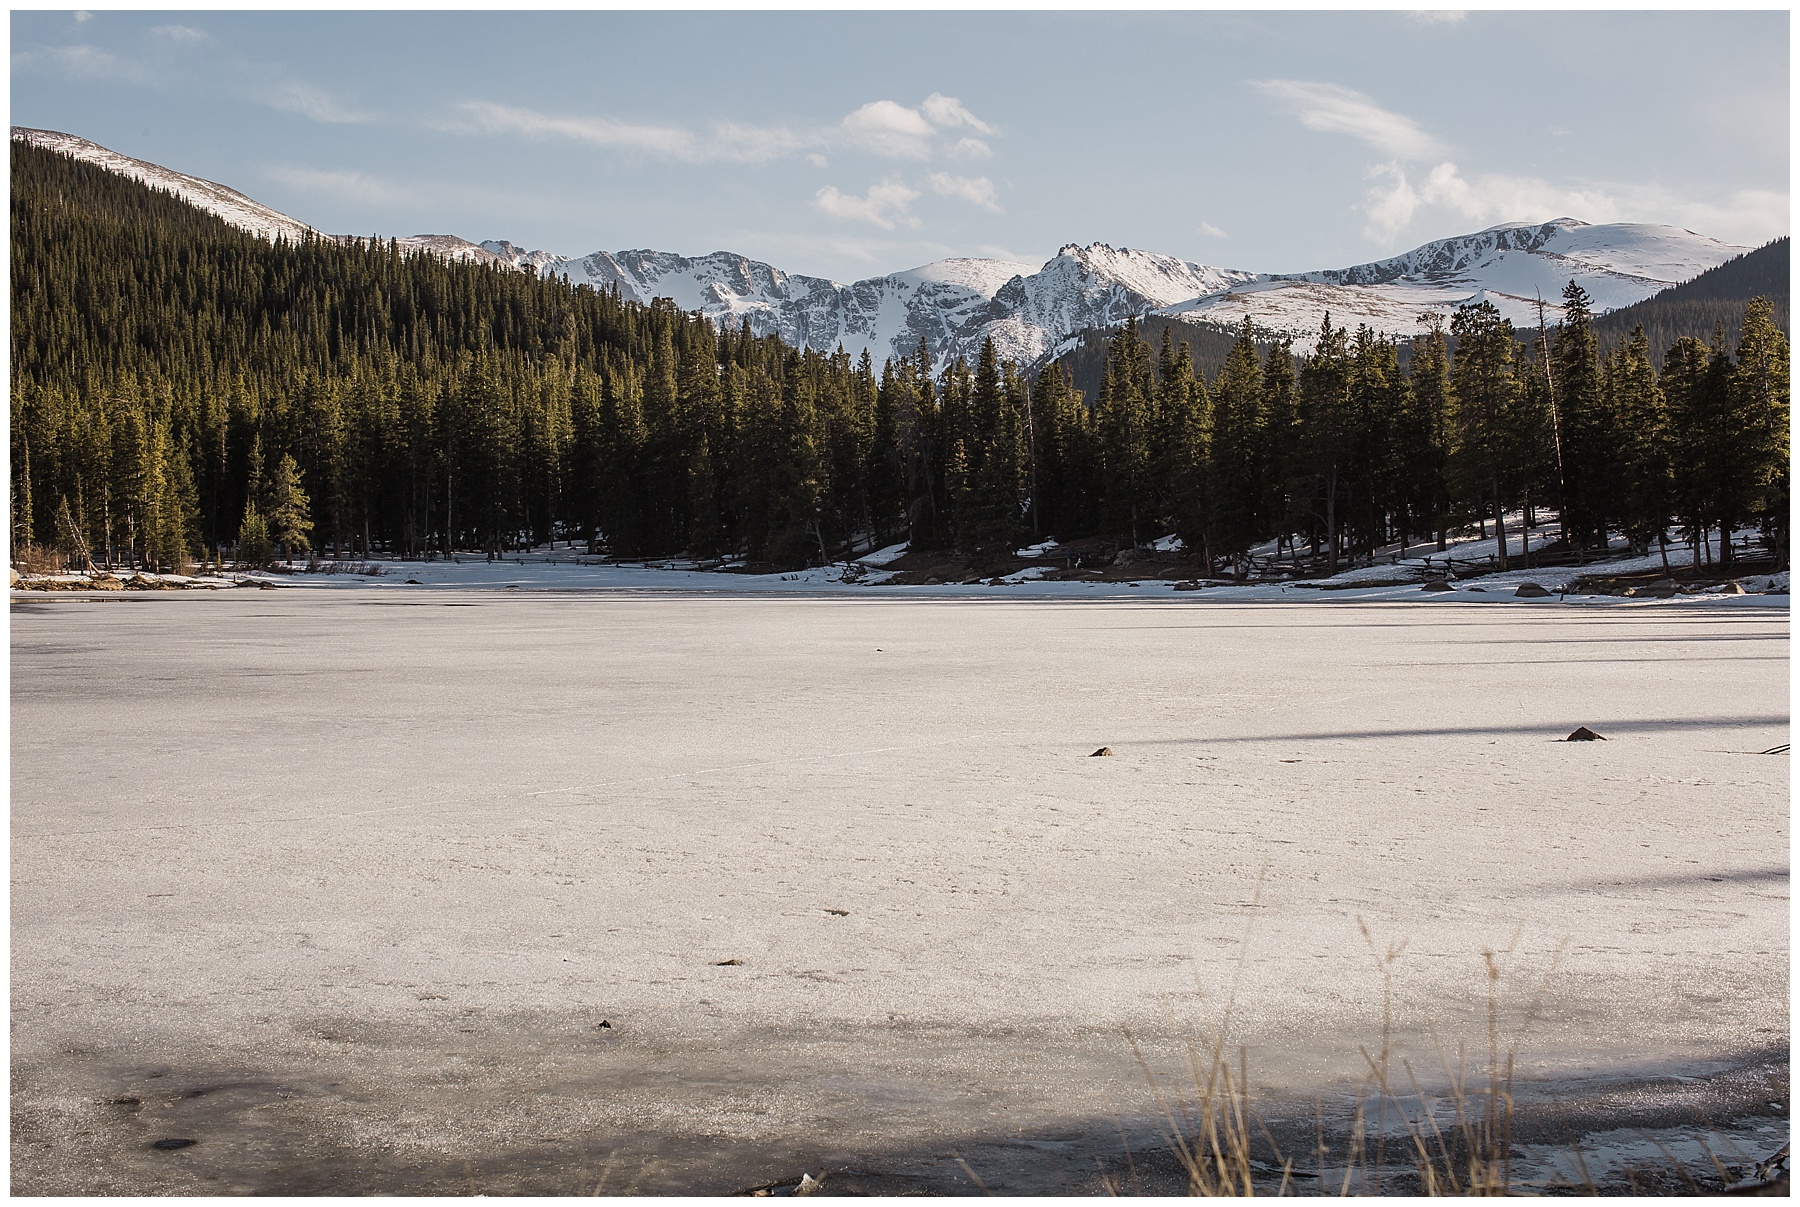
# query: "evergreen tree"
1418,432
254,548
1182,432
1289,498
1648,475
1485,394
290,510
1064,488
990,513
1123,431
1761,388
1328,443
1235,457
1590,432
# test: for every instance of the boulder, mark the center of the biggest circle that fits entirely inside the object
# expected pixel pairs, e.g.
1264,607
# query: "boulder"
12,576
1105,752
105,582
1584,734
1531,591
1437,584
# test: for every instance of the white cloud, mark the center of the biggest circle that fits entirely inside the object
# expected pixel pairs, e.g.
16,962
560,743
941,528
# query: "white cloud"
946,112
304,99
1438,16
1390,206
737,143
1207,228
355,186
727,142
1748,216
82,14
88,62
485,117
978,190
1489,198
884,127
182,33
885,205
1334,109
888,128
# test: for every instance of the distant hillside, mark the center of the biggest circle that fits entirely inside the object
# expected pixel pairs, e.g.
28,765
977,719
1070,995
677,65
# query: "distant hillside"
1697,307
1208,343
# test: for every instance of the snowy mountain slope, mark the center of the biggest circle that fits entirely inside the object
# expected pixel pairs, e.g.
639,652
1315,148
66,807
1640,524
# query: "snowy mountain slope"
1511,266
1034,312
450,247
228,204
1096,286
518,257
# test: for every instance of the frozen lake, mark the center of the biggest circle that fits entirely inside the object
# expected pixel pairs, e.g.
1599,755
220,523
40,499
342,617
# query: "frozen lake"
343,884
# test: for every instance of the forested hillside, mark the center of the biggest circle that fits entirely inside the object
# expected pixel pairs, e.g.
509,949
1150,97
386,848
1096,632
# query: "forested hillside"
1208,346
172,374
180,387
1714,299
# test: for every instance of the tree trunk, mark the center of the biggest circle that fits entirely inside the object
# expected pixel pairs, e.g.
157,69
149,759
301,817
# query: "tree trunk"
1331,532
1500,525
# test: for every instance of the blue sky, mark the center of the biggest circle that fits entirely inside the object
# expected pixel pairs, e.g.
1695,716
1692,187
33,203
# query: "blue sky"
852,144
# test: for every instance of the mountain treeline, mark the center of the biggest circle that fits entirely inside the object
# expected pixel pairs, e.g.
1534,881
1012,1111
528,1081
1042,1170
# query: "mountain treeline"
180,388
1712,300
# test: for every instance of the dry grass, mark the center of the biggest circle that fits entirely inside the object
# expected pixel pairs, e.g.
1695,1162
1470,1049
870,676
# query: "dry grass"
1393,1142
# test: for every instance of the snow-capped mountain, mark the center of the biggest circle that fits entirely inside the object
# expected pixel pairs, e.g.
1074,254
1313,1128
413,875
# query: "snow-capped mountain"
1028,311
1511,265
1033,312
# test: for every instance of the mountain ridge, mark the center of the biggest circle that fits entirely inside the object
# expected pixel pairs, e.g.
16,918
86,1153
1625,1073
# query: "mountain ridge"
1035,313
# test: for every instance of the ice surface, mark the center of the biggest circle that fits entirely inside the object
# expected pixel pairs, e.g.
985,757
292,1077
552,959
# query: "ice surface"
396,852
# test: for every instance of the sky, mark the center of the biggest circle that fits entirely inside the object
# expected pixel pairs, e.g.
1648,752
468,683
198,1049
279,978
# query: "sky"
849,145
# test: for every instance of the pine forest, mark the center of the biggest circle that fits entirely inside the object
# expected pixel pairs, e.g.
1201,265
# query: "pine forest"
183,391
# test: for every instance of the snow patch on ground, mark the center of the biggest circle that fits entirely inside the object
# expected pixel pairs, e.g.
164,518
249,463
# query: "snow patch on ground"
885,557
527,574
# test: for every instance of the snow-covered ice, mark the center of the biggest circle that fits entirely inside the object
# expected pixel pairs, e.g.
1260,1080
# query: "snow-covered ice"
372,866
